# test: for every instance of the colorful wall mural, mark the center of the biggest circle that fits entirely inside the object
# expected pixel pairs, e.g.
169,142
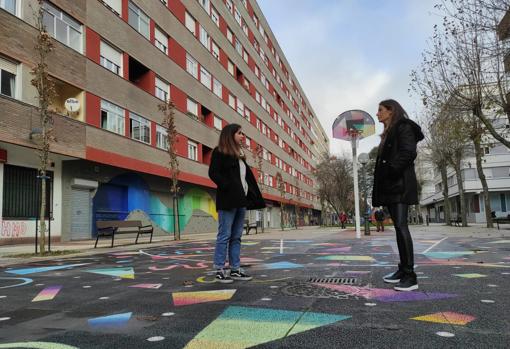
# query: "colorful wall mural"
126,193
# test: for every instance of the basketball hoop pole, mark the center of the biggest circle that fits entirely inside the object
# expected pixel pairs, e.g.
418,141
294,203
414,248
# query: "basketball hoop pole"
354,144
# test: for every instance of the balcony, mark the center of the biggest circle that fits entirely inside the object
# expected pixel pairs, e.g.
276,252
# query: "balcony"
74,96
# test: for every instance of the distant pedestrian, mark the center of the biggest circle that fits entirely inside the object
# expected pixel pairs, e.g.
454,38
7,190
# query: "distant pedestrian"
237,191
379,219
395,184
343,219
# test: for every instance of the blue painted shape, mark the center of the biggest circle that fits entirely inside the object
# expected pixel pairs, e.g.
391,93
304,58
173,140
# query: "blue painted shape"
283,265
115,320
26,271
448,254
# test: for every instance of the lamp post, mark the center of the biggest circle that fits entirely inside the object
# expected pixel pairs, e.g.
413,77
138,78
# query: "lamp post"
363,160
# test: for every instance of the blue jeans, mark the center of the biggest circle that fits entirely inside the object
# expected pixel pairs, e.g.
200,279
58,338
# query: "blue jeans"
230,230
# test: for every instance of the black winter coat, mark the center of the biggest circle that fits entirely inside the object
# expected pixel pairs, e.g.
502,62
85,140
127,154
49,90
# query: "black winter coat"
224,171
394,176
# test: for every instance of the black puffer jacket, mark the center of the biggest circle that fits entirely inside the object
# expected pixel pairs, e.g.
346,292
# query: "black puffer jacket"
394,176
225,173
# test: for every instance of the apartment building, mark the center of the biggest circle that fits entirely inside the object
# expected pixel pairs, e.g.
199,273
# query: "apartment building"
115,62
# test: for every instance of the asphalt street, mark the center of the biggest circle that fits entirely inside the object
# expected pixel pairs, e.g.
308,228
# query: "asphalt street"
312,288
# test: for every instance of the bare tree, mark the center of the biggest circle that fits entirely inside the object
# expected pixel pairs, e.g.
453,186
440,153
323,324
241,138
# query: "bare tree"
281,188
257,158
168,110
336,187
45,94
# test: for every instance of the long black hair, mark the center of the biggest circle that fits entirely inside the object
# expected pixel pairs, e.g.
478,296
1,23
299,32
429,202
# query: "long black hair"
227,143
397,113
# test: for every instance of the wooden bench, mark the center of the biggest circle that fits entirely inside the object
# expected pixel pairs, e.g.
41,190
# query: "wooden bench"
112,228
249,226
501,220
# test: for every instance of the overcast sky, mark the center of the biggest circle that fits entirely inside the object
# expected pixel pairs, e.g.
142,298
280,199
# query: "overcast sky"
351,54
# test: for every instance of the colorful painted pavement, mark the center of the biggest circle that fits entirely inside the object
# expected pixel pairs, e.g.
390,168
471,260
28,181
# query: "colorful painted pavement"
306,293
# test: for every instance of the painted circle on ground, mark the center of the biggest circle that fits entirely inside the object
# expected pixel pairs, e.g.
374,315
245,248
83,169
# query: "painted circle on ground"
445,334
25,281
155,339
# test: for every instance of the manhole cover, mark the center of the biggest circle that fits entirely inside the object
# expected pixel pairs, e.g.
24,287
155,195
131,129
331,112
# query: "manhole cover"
340,281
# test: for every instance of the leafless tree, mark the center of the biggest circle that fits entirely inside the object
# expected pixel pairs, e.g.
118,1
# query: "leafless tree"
45,95
168,110
281,188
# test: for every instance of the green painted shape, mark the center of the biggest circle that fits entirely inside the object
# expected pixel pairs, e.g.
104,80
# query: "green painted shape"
243,327
118,272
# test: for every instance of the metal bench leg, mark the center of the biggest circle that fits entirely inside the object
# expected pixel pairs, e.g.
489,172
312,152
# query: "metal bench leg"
137,235
113,235
97,238
152,231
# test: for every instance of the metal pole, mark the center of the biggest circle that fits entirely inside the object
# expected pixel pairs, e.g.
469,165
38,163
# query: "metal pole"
367,223
356,189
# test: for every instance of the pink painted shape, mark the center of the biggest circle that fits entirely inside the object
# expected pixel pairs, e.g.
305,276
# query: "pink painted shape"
47,294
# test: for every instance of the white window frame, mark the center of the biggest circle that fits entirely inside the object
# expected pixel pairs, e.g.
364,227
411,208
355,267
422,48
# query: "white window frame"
240,107
217,123
144,125
115,117
53,18
215,16
231,67
205,77
161,40
142,24
230,36
190,23
192,107
206,5
232,101
162,89
161,137
106,59
217,88
191,65
215,50
192,150
204,37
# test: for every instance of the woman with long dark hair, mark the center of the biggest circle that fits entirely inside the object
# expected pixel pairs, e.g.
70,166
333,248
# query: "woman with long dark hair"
237,191
395,184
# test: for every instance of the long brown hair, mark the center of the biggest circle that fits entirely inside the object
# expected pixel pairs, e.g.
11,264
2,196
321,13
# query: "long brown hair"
397,113
227,143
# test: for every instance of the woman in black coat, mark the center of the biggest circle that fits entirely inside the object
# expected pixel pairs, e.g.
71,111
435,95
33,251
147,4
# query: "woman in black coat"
395,184
237,191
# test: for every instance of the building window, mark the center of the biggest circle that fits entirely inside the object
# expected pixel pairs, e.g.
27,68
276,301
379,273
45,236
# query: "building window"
247,141
112,117
161,137
190,23
204,37
62,27
230,36
115,5
22,193
7,78
230,68
240,107
140,128
217,87
237,16
229,5
192,108
205,77
162,90
232,101
215,17
217,123
110,58
192,151
215,50
138,20
161,40
191,66
9,6
206,5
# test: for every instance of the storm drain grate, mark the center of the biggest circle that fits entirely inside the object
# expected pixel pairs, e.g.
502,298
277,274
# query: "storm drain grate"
341,281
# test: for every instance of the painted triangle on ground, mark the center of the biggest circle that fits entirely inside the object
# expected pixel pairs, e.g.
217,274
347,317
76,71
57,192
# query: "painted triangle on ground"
124,273
115,320
447,317
47,294
26,271
187,298
242,327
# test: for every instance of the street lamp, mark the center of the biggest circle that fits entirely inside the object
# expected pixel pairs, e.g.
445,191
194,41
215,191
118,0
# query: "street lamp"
363,160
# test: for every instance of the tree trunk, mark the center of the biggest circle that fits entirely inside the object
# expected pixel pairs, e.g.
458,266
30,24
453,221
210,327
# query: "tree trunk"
282,207
177,227
42,214
460,185
444,180
481,175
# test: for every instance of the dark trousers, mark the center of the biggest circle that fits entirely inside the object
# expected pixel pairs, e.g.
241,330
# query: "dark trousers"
398,213
380,225
343,224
